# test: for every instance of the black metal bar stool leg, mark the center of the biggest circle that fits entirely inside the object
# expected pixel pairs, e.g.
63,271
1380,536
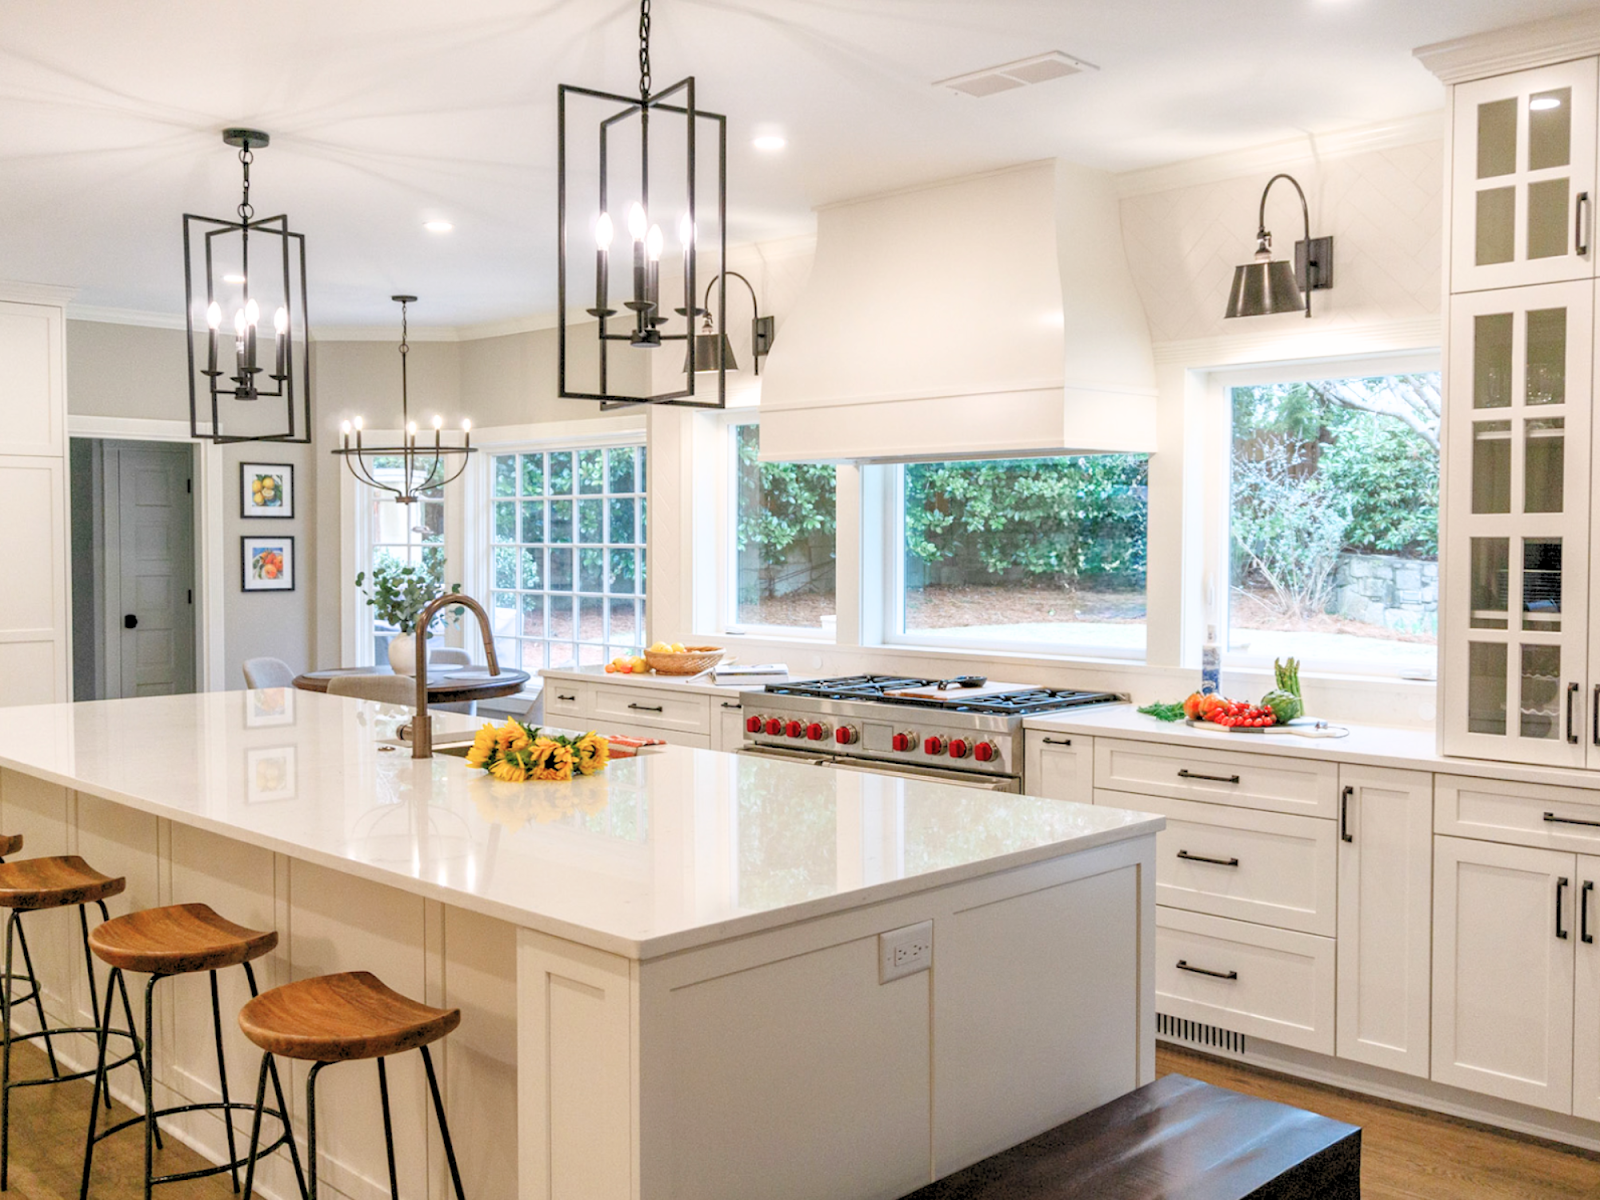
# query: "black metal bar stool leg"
100,1082
146,1083
222,1075
271,1065
311,1129
149,1088
5,1068
38,1002
388,1130
88,970
444,1125
255,1127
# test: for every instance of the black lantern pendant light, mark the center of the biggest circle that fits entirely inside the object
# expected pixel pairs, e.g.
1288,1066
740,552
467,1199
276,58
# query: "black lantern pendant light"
632,168
713,351
420,467
243,387
1269,285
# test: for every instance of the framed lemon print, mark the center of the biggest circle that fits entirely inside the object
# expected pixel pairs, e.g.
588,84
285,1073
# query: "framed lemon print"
266,490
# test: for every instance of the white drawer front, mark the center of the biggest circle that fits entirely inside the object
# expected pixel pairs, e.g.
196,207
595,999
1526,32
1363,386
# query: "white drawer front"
1282,985
1287,785
1503,811
1238,862
658,710
565,697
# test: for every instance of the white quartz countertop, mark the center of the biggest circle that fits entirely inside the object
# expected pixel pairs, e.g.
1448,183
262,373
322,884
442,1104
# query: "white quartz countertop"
672,849
677,683
1366,745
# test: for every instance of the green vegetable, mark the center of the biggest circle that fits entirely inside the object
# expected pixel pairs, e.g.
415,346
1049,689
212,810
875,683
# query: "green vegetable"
1163,712
1287,675
1284,705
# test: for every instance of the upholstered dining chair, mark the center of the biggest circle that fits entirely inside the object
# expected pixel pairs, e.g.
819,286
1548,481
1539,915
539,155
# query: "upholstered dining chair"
385,689
453,656
267,673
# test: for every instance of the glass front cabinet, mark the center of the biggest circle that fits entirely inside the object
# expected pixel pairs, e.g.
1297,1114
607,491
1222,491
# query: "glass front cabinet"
1520,646
1523,178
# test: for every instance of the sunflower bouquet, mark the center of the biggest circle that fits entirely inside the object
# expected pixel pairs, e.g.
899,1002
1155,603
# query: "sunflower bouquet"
515,753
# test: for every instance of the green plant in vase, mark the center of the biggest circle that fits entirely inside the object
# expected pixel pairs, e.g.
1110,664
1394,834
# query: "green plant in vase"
397,593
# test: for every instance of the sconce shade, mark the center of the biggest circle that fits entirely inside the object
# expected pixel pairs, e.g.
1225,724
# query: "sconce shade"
1264,286
713,351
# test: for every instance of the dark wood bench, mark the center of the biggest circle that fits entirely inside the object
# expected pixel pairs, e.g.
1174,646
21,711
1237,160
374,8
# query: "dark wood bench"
1174,1139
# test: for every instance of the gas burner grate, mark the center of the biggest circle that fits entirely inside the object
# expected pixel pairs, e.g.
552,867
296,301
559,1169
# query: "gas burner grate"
880,689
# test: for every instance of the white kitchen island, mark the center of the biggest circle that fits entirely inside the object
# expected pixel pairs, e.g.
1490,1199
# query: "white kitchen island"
669,973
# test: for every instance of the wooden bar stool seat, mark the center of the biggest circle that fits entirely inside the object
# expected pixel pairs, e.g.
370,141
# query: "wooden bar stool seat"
178,940
31,884
341,1018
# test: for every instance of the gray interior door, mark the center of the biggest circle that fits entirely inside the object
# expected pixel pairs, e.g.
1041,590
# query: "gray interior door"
150,506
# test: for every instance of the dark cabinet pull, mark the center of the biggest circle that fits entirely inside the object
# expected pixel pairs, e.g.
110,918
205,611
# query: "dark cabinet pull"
1184,966
1221,862
1561,886
1555,820
1580,240
1050,741
1572,726
559,696
130,621
730,704
1583,913
1595,717
1344,814
645,707
1185,773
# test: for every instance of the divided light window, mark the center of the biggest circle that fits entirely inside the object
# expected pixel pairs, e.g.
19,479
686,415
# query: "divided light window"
567,555
411,534
1034,553
1334,521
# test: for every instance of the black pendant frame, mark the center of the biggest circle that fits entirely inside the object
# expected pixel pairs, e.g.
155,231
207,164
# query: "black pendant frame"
645,325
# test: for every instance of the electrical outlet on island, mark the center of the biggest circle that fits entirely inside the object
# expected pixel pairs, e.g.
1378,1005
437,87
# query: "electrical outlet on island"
905,951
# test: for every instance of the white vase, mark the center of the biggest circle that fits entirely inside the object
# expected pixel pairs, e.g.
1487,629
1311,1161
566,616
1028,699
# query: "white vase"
403,653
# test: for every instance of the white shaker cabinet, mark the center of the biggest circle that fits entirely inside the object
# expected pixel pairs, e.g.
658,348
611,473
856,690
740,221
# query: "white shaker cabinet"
1523,178
1059,766
728,725
1586,993
1385,917
1503,970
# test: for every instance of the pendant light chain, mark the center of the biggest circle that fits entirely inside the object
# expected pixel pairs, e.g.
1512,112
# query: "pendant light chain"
644,49
405,350
246,209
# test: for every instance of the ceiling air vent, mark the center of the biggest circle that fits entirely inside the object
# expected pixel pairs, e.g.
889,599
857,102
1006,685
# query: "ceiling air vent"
1038,69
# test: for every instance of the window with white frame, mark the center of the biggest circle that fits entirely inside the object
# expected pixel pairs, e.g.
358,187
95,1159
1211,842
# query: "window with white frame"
1333,521
406,534
783,543
567,554
1032,553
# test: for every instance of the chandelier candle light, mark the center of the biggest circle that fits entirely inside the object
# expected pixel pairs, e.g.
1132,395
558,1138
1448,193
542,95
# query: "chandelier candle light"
423,466
219,274
644,151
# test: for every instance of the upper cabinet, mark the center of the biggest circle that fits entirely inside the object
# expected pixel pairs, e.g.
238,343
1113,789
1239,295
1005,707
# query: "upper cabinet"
1523,178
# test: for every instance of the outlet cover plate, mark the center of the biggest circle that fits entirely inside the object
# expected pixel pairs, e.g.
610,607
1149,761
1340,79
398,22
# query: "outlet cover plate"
905,951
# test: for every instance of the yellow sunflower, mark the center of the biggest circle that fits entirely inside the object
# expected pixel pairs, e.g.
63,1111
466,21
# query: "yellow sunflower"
509,770
483,747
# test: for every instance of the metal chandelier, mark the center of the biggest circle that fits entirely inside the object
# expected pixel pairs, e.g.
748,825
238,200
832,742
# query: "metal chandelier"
633,170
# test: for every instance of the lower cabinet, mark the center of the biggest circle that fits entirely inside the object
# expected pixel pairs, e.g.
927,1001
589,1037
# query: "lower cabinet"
634,710
727,725
1058,766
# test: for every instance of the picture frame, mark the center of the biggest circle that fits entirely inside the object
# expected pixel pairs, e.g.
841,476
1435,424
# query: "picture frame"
264,707
270,774
266,490
266,564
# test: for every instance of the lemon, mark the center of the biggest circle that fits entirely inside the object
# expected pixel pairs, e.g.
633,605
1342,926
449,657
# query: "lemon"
659,648
640,666
677,647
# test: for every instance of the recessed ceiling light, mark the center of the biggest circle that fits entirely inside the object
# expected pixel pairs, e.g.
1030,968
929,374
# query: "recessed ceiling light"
438,226
770,142
1540,103
234,278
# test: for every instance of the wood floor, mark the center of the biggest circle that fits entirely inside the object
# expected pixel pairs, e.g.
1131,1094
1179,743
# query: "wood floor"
1405,1154
1412,1155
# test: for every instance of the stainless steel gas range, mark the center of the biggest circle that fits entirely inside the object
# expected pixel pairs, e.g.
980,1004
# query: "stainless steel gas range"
964,730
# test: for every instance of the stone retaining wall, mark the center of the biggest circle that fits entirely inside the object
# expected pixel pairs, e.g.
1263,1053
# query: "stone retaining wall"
1388,590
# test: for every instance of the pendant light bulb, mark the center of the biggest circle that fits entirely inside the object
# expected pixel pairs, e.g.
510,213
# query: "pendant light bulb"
438,421
638,223
466,426
411,429
357,424
685,231
239,322
345,427
252,312
214,315
280,320
603,231
652,243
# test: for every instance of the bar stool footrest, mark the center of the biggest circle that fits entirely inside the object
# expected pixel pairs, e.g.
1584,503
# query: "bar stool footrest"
209,1106
87,1073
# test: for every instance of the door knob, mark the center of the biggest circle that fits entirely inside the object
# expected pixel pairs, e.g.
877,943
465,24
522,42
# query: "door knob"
130,622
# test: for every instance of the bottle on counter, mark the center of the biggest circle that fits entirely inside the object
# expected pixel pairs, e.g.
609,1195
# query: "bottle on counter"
1210,663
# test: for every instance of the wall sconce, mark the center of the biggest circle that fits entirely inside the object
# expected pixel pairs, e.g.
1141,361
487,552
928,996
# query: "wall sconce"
713,350
1269,285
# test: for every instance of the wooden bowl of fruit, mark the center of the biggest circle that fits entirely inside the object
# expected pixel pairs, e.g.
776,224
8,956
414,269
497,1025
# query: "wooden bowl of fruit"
678,659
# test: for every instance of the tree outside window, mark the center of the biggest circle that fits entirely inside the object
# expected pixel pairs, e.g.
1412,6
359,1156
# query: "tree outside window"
784,538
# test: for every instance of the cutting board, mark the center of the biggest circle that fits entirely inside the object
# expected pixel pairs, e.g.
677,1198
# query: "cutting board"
956,695
1299,727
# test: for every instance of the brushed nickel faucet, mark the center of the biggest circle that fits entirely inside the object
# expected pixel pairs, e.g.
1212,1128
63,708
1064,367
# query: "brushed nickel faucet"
422,723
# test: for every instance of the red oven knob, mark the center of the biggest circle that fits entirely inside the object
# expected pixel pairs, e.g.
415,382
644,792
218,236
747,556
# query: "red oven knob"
753,724
816,731
793,729
934,745
846,735
958,747
905,741
985,752
774,726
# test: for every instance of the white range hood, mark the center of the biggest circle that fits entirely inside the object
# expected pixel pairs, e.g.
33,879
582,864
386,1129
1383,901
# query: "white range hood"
987,316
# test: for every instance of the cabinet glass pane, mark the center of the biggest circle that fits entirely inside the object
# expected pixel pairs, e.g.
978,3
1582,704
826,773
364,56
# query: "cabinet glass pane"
1544,464
1491,361
1491,467
1547,218
1491,563
1547,356
1541,584
1497,138
1486,688
1541,692
1497,214
1549,129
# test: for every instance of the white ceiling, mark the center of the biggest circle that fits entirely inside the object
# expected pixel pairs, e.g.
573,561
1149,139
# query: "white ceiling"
386,113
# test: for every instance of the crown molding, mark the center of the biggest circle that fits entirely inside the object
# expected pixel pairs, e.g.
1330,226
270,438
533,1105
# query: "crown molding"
383,333
35,293
125,316
1279,341
1514,48
1274,156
